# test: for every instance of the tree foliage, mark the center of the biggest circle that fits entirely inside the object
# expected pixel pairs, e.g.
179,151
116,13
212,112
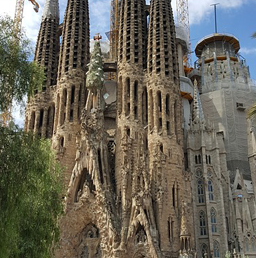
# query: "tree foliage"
30,195
18,75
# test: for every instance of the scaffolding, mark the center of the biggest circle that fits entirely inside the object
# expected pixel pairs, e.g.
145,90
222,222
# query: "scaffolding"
183,19
114,29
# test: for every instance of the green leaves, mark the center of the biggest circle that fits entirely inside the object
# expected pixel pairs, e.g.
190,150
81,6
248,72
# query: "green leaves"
18,76
30,195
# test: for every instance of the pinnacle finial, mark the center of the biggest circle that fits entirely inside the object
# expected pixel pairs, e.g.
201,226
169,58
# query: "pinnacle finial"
97,37
197,107
95,74
51,9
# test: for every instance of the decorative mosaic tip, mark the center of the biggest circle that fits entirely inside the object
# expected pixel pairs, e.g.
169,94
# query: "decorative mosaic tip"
51,9
95,75
197,107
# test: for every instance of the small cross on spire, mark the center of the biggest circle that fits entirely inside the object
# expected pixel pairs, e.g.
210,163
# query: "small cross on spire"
97,37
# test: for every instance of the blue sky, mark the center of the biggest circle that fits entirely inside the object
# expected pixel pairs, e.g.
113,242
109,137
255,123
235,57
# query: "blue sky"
239,21
237,17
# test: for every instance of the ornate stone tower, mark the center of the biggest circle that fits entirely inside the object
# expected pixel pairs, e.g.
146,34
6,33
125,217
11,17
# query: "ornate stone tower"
70,91
40,112
210,182
132,177
48,43
90,222
130,193
165,137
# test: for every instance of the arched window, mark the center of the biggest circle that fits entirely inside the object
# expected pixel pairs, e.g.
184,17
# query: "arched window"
145,106
135,89
151,105
167,104
32,121
41,118
128,87
253,244
159,101
204,249
200,190
202,223
246,243
140,236
213,221
61,146
199,159
210,190
216,249
127,96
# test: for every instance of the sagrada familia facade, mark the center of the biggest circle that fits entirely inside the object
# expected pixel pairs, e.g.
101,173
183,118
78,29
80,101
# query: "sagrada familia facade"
160,160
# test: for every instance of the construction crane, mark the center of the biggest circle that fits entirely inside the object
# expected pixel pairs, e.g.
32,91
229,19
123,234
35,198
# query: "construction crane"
18,16
5,117
183,19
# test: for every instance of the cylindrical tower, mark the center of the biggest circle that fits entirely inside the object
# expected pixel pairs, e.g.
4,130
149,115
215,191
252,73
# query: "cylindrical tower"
131,105
40,111
47,48
71,93
226,94
165,137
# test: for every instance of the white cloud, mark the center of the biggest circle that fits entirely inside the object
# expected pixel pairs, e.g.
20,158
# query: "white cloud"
99,16
200,10
247,51
100,13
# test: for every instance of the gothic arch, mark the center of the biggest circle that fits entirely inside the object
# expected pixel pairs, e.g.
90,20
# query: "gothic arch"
214,220
84,180
204,249
140,254
91,231
90,242
216,249
140,235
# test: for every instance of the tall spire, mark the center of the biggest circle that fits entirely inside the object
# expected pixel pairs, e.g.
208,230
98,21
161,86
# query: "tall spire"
51,9
132,32
198,114
74,52
162,54
95,77
47,48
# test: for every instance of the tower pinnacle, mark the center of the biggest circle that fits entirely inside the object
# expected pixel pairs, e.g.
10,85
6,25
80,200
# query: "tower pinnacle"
197,107
51,9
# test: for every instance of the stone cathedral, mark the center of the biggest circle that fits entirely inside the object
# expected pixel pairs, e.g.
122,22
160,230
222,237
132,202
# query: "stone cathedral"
159,160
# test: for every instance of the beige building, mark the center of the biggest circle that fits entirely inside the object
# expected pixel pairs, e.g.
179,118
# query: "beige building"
156,160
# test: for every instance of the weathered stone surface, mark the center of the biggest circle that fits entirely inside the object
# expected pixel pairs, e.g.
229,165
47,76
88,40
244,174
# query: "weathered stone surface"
142,178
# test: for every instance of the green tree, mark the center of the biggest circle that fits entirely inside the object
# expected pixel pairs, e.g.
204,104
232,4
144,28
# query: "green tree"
30,195
18,75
